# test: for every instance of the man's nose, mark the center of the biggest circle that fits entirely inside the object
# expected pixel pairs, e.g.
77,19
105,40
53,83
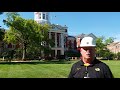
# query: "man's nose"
88,51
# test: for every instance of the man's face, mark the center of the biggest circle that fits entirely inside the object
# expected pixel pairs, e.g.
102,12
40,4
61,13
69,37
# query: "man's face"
88,52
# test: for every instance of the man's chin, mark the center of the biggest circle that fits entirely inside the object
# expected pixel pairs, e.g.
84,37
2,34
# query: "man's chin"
87,57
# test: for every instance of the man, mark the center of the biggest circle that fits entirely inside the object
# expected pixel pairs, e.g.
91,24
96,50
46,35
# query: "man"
89,66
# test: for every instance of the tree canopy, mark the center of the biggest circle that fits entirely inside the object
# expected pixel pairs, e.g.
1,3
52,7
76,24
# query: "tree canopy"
1,13
26,32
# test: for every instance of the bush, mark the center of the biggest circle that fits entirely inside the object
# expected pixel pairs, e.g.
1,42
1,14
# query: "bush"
72,53
49,58
60,57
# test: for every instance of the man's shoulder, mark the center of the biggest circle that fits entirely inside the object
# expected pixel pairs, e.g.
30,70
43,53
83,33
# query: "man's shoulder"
78,63
101,63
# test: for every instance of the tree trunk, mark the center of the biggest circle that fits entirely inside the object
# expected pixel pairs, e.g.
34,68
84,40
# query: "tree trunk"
24,52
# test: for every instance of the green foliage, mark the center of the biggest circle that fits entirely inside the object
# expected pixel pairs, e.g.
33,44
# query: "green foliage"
11,16
27,32
72,53
2,33
118,55
101,47
109,40
10,36
8,55
108,55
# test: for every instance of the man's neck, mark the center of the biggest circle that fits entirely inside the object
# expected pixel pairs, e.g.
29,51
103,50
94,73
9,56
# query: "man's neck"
87,61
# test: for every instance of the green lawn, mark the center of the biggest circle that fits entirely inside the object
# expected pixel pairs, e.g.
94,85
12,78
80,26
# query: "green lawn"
114,66
42,69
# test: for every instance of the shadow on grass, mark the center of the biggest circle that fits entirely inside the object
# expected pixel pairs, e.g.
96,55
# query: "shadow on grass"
38,62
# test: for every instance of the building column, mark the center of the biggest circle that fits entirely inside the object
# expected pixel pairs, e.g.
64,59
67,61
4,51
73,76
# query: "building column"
49,36
62,44
62,52
55,44
62,40
42,54
55,39
55,52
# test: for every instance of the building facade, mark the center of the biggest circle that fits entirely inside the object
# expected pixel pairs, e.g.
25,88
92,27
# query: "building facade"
114,47
58,33
71,43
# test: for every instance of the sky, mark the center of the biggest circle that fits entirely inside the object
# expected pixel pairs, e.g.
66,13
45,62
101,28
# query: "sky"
105,24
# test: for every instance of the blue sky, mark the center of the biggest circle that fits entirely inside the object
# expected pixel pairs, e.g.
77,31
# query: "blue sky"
105,24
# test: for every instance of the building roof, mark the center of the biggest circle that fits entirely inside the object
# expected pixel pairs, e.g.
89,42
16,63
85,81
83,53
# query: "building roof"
80,35
71,36
84,35
56,26
113,44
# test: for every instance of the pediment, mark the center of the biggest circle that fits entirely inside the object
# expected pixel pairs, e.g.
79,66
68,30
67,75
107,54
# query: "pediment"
57,27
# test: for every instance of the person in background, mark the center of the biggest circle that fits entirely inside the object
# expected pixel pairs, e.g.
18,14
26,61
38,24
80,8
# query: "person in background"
88,66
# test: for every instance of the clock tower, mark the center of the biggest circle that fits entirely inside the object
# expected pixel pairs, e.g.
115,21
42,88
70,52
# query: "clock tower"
42,17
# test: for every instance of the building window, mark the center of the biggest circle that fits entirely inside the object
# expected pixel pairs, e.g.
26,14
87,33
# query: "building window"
58,52
43,16
40,16
53,53
53,38
65,30
47,17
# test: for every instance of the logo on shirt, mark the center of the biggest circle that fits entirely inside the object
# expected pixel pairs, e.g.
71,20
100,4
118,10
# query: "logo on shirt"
86,64
78,68
97,69
87,42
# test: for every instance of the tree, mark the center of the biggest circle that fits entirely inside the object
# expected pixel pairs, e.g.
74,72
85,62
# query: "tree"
99,46
27,32
41,41
1,13
109,40
118,56
108,55
2,33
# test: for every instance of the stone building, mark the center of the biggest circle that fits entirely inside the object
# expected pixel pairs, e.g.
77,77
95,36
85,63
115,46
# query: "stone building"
114,47
58,33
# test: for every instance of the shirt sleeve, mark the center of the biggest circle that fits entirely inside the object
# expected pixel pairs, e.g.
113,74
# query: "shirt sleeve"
108,73
71,72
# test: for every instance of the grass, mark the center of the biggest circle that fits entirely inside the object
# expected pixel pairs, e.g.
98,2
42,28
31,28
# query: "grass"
114,66
38,69
45,69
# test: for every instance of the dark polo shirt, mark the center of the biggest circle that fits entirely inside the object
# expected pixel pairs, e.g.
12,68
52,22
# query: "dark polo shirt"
96,69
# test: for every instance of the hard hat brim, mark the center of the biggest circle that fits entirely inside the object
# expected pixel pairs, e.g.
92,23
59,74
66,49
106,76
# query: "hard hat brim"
89,46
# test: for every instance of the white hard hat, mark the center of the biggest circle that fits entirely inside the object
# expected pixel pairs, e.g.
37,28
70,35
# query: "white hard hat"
88,42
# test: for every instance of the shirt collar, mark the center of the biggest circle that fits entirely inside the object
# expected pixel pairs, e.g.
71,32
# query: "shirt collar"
92,63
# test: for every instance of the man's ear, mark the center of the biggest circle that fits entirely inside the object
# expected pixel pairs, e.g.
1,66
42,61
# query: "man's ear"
80,49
